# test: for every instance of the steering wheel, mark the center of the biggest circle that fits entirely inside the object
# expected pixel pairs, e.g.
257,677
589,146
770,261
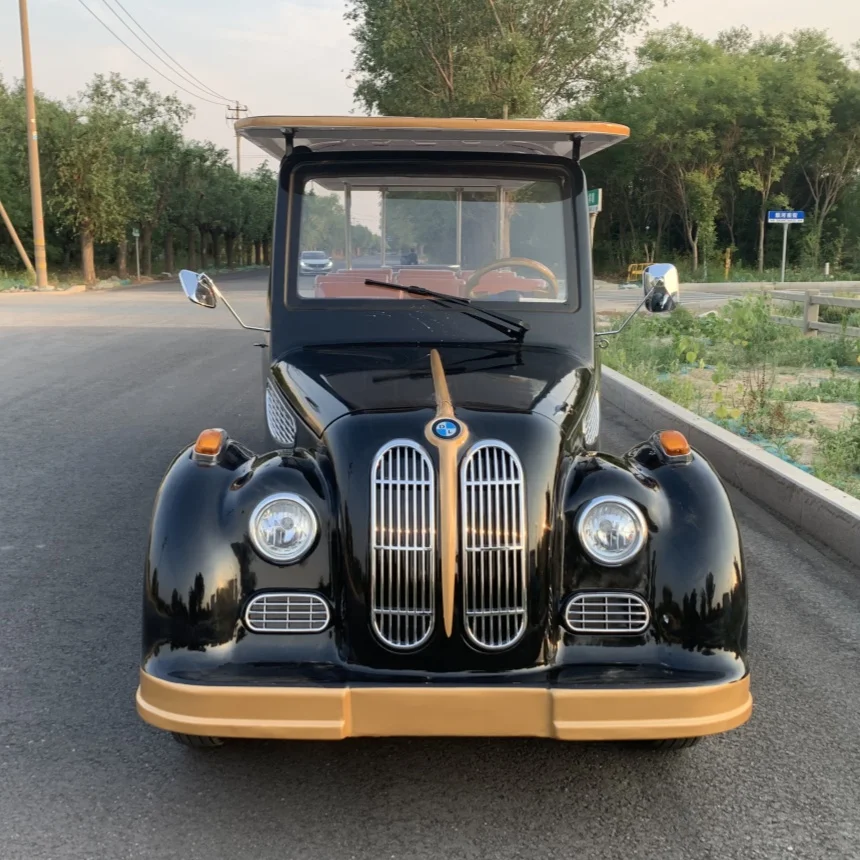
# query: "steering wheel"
544,271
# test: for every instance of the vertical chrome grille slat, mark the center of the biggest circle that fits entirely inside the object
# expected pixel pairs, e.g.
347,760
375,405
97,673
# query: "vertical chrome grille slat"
493,563
403,552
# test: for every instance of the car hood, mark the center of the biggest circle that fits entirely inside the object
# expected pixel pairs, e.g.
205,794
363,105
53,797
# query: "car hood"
327,382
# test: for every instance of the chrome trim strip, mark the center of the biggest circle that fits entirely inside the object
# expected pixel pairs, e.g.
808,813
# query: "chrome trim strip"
287,612
403,545
607,612
493,535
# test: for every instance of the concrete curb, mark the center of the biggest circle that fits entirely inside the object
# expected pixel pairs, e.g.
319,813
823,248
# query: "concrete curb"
828,514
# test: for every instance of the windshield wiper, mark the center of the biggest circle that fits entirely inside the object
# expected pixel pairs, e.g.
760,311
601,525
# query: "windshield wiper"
501,322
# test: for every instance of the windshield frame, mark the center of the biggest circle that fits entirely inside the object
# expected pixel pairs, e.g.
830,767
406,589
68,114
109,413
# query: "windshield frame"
380,165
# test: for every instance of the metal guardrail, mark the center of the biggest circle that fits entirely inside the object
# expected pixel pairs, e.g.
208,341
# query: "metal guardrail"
808,323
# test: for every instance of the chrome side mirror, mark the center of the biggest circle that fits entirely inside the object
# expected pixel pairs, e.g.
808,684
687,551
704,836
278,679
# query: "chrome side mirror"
661,287
201,290
198,288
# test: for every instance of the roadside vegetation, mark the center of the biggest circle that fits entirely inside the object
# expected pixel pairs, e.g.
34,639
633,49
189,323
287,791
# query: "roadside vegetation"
795,395
113,160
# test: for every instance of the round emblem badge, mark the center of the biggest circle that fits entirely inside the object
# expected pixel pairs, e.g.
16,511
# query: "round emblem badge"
446,429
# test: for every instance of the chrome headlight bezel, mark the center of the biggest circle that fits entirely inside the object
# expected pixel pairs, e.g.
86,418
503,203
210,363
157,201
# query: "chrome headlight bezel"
613,560
266,551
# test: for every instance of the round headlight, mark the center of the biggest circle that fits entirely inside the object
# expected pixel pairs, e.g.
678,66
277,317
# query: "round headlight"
283,528
612,529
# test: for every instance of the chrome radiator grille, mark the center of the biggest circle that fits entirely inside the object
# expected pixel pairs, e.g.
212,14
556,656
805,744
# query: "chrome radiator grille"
403,534
287,612
493,564
607,612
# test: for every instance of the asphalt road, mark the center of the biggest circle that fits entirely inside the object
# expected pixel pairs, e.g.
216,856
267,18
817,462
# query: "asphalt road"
97,393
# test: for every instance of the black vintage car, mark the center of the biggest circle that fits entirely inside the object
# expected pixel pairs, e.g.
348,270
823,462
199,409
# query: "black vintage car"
432,543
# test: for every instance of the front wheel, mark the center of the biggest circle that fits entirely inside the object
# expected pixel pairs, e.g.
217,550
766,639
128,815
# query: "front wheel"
197,742
670,744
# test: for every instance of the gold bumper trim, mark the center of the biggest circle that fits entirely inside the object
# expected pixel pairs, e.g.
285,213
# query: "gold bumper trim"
313,713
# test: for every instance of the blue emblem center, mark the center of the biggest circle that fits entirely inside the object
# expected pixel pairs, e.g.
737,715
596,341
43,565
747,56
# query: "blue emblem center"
446,429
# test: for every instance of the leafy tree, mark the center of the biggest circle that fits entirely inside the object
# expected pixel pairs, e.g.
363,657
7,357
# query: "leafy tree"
486,57
792,106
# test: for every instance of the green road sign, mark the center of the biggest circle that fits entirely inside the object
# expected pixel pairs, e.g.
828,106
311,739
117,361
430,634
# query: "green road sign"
135,232
595,200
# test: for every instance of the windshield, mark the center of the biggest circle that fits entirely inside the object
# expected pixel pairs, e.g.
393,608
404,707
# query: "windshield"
481,237
314,255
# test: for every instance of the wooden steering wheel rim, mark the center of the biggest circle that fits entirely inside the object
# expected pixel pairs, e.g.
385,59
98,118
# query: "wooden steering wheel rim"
545,271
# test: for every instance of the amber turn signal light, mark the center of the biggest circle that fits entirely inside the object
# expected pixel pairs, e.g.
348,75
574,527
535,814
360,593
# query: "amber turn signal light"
674,443
209,445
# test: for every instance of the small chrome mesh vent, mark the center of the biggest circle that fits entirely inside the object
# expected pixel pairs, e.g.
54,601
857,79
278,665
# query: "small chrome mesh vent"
591,422
606,612
403,556
282,423
287,612
492,500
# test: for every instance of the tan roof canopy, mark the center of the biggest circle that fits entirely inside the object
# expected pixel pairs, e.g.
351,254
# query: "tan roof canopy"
338,134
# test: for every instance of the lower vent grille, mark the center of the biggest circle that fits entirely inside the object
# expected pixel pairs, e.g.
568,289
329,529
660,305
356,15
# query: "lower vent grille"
606,612
287,612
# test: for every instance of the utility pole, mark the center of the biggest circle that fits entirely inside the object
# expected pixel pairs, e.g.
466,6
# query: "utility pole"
33,149
234,114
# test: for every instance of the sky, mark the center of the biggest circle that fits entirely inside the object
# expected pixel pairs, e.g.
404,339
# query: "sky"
291,56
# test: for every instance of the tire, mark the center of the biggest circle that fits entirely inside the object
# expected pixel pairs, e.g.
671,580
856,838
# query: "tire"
197,742
671,744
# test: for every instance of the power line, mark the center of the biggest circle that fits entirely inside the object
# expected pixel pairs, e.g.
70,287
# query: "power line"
146,62
194,81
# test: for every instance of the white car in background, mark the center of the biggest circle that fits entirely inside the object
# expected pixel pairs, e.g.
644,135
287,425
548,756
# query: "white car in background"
314,263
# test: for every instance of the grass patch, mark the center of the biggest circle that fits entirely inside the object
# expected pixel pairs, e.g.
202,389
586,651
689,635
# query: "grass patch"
742,370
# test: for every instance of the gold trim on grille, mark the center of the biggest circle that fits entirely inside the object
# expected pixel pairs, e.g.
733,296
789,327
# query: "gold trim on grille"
448,448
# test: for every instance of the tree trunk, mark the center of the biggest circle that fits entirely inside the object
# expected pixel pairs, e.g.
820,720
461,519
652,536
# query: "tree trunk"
693,244
168,251
146,249
67,256
229,240
216,249
192,248
88,266
265,252
203,237
122,259
257,253
761,242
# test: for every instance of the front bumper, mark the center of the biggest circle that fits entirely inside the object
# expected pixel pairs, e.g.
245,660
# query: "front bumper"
334,713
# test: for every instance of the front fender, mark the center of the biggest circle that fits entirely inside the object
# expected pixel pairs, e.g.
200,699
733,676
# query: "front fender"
201,566
691,569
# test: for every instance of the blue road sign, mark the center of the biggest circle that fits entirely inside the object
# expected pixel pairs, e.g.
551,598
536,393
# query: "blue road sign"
783,217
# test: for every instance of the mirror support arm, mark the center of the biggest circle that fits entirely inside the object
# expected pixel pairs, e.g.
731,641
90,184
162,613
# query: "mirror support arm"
230,307
633,314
